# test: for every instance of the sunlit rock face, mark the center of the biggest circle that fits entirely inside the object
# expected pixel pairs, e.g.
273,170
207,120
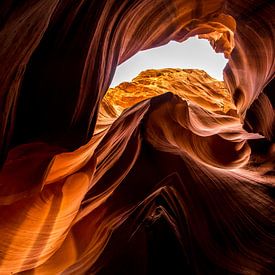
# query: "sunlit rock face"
190,84
177,182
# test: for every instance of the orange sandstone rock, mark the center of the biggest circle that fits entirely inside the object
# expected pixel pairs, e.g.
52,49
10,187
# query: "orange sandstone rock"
181,182
190,84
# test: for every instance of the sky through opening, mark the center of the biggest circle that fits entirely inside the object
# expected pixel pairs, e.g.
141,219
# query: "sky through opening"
191,54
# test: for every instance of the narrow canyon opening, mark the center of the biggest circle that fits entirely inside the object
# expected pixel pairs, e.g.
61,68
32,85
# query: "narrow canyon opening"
191,69
193,53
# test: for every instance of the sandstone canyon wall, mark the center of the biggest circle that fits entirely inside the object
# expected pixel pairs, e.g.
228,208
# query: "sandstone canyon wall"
178,178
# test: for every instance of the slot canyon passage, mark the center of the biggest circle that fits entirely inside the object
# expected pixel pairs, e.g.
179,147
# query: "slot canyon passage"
172,173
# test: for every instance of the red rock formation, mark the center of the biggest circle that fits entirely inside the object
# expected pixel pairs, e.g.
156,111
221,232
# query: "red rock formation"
165,188
191,85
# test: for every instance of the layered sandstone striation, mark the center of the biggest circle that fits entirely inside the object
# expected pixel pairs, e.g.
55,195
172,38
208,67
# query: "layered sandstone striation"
178,181
189,84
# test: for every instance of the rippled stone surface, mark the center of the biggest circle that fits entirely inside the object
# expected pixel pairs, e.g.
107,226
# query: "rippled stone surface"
176,183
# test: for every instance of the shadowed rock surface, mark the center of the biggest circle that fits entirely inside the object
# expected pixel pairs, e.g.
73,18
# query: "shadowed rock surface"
176,178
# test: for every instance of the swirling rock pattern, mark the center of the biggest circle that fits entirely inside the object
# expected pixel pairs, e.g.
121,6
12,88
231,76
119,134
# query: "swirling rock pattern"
177,183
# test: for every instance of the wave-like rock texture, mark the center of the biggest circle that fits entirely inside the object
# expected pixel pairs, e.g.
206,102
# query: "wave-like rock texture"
177,180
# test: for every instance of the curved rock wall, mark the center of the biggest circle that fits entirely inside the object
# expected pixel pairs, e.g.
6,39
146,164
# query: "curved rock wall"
166,187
